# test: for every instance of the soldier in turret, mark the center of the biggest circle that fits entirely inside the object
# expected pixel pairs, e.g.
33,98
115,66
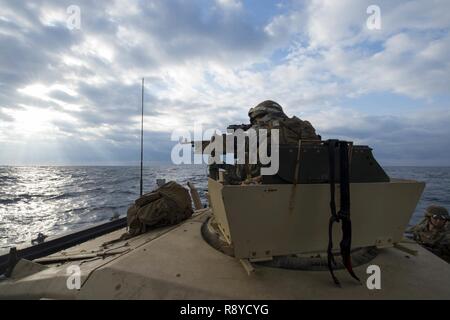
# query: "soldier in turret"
270,115
433,232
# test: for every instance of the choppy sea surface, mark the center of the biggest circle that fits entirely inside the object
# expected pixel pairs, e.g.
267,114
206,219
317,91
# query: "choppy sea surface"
53,200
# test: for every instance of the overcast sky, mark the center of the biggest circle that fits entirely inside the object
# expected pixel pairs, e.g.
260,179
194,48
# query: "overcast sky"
73,96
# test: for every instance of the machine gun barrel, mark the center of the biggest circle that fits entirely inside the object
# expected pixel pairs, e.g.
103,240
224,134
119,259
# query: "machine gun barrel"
204,143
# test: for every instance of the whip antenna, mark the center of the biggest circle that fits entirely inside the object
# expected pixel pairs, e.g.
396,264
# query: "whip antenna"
142,138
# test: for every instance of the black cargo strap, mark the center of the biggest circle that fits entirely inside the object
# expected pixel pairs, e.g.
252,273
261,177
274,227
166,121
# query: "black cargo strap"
334,217
343,215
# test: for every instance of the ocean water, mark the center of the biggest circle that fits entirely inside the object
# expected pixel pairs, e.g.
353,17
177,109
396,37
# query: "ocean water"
53,200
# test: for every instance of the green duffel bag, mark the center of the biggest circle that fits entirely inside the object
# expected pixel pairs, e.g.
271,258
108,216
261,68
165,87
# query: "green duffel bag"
168,205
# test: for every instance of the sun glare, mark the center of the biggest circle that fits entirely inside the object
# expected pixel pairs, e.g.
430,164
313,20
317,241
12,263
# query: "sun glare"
31,121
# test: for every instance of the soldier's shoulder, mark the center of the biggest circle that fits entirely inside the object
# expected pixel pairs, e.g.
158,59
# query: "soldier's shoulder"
447,235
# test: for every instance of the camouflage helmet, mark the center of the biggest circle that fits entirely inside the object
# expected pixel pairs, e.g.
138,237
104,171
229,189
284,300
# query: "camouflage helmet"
438,211
266,108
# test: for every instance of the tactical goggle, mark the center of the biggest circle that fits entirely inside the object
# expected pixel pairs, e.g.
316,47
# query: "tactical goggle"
439,217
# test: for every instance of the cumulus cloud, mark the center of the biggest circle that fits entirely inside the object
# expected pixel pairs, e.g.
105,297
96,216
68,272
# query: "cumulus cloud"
210,61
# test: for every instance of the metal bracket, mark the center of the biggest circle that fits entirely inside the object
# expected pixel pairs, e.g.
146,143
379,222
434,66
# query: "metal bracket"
247,266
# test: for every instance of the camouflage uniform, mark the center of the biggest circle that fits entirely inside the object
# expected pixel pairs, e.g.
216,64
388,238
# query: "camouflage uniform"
436,240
